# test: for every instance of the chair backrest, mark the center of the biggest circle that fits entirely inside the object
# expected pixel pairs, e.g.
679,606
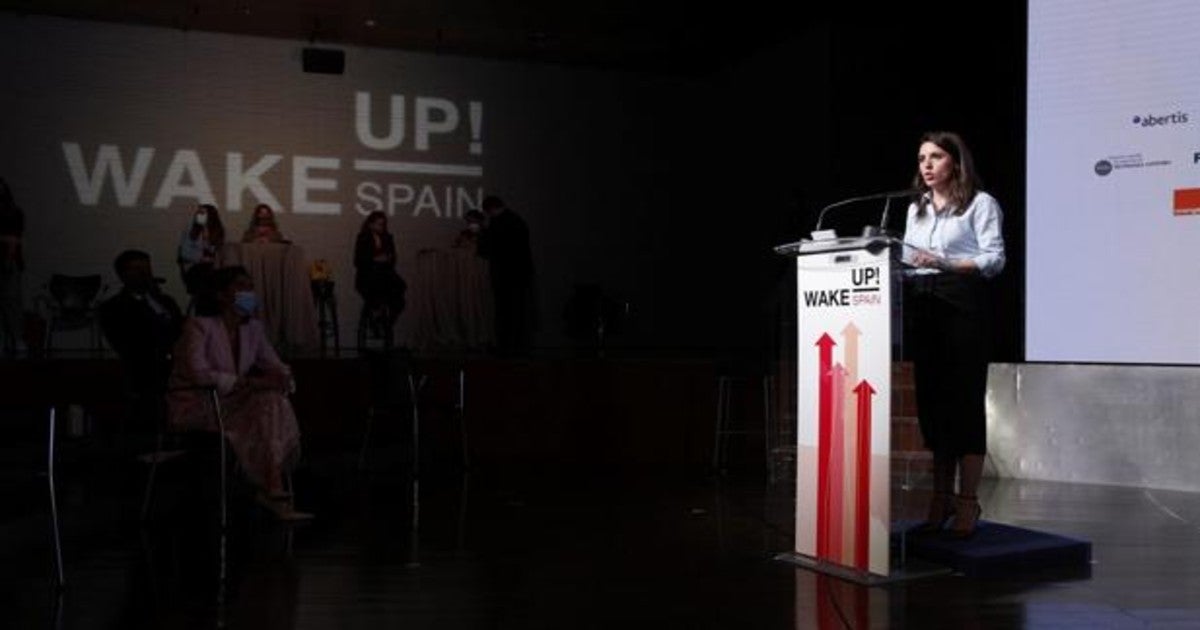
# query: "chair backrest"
74,293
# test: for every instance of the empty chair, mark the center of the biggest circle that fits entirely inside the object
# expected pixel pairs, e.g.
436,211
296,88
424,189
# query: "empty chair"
70,302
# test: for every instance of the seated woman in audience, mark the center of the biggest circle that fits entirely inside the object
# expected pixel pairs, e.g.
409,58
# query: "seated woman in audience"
199,246
375,278
263,228
228,349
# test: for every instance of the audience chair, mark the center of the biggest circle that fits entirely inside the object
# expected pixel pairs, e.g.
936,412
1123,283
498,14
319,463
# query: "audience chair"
746,374
162,454
390,370
325,299
55,533
71,303
373,328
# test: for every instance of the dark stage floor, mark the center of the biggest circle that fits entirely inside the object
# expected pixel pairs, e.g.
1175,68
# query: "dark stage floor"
552,548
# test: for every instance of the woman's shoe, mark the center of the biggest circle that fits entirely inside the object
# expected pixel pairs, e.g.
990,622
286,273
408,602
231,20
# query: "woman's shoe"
966,517
291,514
281,509
940,511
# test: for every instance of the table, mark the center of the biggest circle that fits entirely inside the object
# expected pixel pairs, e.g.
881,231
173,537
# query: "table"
451,298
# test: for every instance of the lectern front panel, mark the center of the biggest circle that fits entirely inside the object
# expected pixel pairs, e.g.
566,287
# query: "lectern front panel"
845,328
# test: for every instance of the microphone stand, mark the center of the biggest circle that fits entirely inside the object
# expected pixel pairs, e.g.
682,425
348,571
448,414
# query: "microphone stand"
885,196
881,229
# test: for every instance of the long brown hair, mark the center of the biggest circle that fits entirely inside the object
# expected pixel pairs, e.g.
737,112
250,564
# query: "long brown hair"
965,181
376,214
216,229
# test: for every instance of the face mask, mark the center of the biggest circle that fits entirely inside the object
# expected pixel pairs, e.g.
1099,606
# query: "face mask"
474,227
202,220
245,302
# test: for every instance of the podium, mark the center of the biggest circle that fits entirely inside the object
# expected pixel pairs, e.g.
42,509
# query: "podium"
848,335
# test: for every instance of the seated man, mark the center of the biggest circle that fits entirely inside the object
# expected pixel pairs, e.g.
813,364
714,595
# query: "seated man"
228,349
142,325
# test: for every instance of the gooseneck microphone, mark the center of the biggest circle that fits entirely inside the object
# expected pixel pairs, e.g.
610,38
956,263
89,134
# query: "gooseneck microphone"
895,194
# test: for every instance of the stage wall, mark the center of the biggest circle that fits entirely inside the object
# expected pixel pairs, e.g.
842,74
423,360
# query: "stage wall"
1121,425
113,133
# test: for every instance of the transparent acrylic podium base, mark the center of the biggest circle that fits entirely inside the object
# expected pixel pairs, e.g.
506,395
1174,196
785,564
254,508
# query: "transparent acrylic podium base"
912,569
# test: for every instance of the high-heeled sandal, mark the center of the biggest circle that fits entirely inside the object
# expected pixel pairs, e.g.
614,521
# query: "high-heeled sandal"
941,510
966,517
281,508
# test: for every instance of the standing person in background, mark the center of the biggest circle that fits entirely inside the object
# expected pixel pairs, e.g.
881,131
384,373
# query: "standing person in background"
505,244
12,264
263,228
375,278
955,230
199,246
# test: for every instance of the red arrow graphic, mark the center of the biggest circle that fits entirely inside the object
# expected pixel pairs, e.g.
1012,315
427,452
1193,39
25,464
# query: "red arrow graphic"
862,522
824,422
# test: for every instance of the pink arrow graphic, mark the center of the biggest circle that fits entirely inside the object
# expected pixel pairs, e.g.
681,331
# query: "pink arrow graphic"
837,467
850,358
850,334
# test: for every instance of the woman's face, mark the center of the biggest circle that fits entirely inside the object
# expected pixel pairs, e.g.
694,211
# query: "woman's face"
262,213
935,166
228,295
378,226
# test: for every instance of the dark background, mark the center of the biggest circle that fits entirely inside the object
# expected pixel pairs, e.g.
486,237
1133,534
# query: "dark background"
784,110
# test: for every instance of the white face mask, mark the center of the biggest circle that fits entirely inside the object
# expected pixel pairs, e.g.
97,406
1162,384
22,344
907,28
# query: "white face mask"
202,219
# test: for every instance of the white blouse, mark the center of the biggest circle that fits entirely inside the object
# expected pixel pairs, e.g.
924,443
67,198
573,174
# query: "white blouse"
974,234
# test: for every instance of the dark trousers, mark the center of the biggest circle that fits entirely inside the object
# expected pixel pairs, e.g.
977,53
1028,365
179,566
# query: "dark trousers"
947,337
513,315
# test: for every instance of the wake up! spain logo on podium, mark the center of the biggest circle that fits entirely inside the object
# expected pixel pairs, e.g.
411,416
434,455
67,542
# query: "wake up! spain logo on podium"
843,430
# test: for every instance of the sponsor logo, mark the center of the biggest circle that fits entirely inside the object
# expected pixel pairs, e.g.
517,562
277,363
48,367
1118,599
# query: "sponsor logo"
1152,120
1186,201
1105,166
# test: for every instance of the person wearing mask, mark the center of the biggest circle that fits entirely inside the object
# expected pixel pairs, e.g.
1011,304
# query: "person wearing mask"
954,230
12,265
263,227
229,350
199,246
468,236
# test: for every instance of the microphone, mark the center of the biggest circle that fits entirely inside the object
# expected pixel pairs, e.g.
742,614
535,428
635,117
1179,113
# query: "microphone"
895,194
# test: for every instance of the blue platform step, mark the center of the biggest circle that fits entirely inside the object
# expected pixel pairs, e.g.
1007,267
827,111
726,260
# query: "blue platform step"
997,549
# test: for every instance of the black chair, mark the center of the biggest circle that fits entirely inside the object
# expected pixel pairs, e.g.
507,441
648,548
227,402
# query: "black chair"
375,328
71,303
162,453
325,299
739,378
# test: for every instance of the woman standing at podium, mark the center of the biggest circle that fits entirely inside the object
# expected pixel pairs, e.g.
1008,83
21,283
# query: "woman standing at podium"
954,231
